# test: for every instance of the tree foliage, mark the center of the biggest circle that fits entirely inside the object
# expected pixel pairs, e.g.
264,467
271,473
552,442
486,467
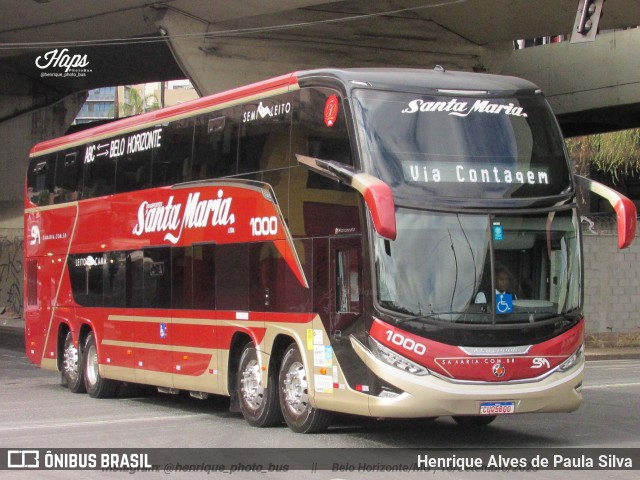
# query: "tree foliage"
615,154
137,104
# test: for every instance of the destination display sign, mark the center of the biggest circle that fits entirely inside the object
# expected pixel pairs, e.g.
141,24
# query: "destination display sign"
453,172
127,144
493,147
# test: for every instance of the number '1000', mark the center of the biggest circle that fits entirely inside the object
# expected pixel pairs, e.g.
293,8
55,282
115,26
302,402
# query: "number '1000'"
263,226
406,342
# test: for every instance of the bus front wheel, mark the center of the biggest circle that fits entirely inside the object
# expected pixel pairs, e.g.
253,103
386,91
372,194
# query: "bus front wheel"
97,387
300,416
258,404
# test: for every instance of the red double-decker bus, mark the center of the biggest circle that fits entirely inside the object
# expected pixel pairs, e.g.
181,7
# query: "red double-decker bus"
393,243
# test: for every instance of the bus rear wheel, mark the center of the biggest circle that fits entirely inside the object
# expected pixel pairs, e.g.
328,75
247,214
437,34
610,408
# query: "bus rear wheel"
300,416
97,387
72,366
258,404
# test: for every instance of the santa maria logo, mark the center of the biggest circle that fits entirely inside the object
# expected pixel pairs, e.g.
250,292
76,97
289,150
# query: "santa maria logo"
172,219
462,109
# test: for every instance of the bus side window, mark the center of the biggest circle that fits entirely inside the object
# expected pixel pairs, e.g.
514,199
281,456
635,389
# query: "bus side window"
232,277
215,149
323,138
157,277
40,178
172,161
182,277
264,137
115,278
86,278
328,205
134,171
68,177
204,275
99,177
134,279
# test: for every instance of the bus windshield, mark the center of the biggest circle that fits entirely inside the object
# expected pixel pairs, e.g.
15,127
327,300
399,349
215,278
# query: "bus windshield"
452,267
496,148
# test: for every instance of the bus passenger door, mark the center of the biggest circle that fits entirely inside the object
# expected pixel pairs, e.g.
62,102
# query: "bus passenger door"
346,307
346,285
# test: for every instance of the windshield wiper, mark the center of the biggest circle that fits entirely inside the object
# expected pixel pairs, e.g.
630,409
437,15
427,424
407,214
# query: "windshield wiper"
572,314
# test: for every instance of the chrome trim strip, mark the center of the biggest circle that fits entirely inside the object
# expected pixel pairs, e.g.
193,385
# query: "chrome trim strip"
496,351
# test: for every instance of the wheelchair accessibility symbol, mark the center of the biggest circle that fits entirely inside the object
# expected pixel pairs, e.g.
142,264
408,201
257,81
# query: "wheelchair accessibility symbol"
504,303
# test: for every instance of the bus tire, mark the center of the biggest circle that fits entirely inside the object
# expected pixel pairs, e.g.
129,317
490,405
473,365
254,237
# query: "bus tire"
300,416
72,366
474,421
97,387
259,405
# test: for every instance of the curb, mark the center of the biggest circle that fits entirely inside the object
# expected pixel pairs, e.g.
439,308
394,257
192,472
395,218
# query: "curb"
612,354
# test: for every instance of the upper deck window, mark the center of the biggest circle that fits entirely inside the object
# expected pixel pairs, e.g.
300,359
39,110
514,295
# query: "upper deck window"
460,146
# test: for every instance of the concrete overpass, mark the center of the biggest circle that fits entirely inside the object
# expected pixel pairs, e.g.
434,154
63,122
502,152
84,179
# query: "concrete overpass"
593,86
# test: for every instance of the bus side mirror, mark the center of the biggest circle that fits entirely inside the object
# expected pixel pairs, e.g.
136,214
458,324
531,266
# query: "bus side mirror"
625,208
376,193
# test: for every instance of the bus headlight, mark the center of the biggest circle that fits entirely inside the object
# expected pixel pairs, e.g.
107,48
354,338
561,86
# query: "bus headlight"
572,360
396,360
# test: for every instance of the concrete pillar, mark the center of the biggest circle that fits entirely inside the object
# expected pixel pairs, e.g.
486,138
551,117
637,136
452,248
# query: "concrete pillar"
28,115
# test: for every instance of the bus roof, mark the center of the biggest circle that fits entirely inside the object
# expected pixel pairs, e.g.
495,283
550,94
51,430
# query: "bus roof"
410,80
419,80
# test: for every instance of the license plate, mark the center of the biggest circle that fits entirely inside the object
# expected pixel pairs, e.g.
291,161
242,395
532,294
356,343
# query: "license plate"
497,408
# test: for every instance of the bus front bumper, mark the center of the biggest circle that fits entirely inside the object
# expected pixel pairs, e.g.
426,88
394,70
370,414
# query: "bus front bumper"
432,396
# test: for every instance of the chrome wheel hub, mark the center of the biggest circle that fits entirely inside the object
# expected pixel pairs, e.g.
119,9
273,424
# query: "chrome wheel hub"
92,365
252,390
296,388
70,364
